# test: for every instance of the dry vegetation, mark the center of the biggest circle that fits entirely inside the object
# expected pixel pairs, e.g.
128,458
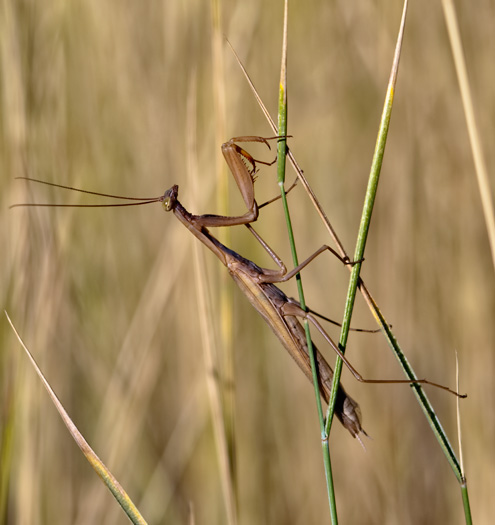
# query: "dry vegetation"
123,97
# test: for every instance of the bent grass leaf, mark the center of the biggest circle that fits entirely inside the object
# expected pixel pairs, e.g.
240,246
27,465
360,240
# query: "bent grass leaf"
101,469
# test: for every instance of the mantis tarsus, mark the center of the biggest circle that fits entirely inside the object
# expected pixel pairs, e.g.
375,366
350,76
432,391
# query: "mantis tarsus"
281,313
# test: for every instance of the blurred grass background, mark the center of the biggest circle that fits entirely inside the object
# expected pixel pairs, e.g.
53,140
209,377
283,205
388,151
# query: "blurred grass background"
119,97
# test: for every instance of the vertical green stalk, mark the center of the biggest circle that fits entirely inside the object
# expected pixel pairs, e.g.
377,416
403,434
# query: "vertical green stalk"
281,162
361,244
366,219
465,502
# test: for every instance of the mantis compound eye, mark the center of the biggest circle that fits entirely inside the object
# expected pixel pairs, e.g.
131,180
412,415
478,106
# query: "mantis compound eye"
170,198
167,203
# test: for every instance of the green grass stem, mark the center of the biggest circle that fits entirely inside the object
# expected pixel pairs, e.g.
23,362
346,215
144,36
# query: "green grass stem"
366,218
281,164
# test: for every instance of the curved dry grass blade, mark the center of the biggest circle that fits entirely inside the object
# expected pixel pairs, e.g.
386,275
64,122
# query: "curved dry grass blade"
115,488
474,139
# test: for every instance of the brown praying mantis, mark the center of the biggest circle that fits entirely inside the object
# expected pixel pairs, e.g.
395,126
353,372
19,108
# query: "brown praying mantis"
281,313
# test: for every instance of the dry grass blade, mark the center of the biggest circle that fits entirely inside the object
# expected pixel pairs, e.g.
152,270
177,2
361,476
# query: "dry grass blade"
474,138
225,411
108,478
209,340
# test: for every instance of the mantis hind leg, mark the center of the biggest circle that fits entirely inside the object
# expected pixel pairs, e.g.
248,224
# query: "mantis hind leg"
295,310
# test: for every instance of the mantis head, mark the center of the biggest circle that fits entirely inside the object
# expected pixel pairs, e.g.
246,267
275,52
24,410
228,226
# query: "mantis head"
169,198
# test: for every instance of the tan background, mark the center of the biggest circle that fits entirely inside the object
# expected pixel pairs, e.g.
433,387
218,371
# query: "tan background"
123,97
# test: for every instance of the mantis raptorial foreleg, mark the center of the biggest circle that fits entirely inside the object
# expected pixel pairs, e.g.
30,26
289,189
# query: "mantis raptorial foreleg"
237,160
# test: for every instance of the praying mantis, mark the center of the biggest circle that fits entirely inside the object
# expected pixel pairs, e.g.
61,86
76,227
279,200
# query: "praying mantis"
281,313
